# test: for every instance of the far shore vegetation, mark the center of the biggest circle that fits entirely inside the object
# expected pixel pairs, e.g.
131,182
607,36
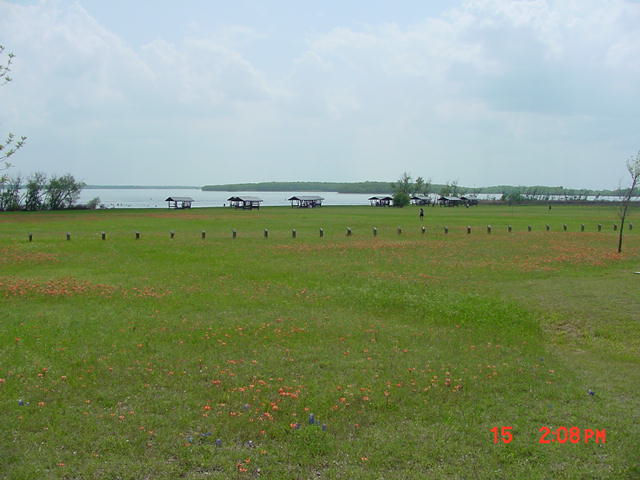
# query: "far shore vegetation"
387,187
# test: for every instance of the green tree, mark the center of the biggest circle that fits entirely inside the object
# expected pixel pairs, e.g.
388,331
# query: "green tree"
426,187
63,192
403,185
633,167
401,199
402,190
34,197
418,186
10,198
93,203
513,197
454,188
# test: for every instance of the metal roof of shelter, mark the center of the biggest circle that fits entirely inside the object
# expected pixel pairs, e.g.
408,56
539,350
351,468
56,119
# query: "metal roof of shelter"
179,199
244,198
306,197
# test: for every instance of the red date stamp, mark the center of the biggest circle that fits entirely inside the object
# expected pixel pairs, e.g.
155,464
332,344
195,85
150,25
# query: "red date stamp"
550,435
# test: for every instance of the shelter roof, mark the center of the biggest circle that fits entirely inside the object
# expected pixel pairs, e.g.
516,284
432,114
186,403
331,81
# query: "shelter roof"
179,199
306,197
244,198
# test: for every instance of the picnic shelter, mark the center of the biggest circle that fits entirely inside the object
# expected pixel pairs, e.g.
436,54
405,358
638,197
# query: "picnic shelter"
179,202
245,202
381,201
306,201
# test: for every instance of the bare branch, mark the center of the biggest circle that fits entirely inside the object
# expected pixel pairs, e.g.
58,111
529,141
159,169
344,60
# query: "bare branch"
633,167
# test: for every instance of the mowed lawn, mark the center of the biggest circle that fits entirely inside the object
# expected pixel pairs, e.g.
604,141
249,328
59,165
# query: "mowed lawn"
384,357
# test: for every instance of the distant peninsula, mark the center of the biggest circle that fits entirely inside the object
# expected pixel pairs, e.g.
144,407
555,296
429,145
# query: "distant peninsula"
385,187
140,187
355,187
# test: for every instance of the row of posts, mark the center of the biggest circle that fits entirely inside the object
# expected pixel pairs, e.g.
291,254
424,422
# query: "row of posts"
349,232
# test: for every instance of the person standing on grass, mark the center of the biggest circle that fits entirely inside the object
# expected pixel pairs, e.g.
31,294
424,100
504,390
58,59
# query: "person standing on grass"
421,214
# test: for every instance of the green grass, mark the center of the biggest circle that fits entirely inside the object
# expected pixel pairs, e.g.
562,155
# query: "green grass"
131,357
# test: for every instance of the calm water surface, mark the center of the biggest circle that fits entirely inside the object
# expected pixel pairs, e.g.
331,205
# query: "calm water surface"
155,198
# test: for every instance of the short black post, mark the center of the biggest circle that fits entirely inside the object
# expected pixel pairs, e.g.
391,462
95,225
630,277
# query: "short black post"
547,227
615,227
375,232
631,226
399,231
489,228
564,227
529,227
68,236
468,229
509,228
266,233
348,231
234,234
599,227
446,230
137,235
582,227
30,237
321,232
172,234
293,233
203,235
424,230
103,235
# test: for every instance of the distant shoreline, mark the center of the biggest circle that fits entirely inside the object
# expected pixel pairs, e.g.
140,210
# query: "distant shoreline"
140,187
370,187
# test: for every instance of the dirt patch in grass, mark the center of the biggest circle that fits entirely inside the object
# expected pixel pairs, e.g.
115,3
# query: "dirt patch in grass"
69,287
360,245
12,256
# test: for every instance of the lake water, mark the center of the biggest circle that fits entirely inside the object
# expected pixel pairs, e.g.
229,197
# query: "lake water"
155,198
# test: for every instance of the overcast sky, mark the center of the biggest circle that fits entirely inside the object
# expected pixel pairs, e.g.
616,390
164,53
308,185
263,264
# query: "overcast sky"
485,92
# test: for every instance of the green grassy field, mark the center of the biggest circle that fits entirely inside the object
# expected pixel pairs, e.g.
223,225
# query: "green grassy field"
194,358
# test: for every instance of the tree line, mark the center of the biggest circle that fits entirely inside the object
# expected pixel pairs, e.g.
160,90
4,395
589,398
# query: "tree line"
451,188
41,193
